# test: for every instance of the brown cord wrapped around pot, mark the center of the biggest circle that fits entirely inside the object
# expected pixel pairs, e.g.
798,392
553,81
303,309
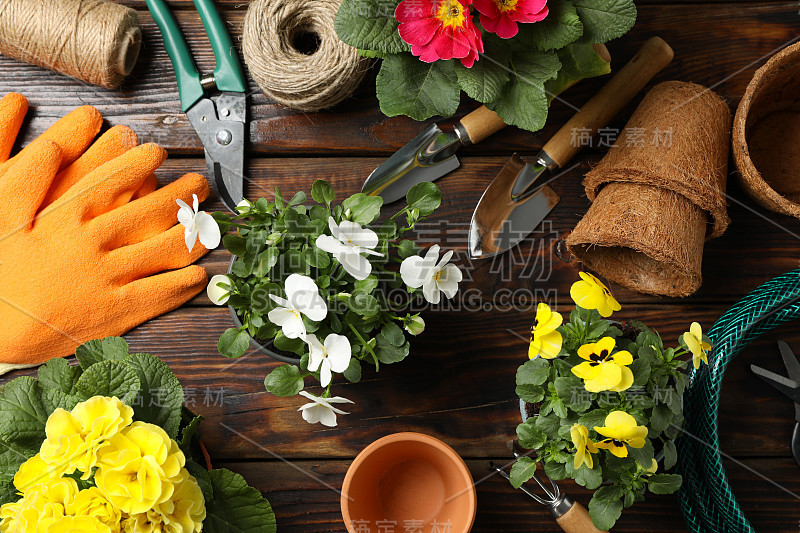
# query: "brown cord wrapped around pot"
659,193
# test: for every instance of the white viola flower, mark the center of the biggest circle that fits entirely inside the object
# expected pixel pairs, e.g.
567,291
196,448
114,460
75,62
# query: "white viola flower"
244,206
349,241
198,224
219,295
333,356
433,277
302,298
415,325
320,409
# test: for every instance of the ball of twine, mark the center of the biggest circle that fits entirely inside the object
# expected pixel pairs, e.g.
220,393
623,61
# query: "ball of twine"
321,74
96,41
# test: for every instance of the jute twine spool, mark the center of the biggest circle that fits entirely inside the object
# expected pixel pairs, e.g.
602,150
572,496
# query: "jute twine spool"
766,134
96,41
308,80
657,200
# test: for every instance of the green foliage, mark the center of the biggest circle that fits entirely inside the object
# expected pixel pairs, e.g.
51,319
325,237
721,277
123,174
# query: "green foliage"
512,76
149,386
522,470
654,401
275,239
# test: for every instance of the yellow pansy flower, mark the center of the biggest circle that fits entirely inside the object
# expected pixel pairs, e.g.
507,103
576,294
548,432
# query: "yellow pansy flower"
653,468
621,431
40,507
184,512
78,524
591,293
75,437
584,447
697,344
139,468
545,340
93,503
602,369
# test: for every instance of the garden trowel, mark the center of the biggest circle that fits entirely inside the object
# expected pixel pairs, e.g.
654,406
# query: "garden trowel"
517,201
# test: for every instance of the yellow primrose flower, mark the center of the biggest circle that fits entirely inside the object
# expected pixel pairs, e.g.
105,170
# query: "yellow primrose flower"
697,344
545,340
78,524
584,447
93,503
184,512
621,431
75,437
39,508
591,293
34,472
603,370
139,468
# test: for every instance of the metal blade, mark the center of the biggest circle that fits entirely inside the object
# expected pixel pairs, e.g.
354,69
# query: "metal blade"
221,128
785,385
427,157
793,367
500,221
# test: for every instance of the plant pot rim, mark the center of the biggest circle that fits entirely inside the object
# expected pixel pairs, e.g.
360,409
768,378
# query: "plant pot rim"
265,349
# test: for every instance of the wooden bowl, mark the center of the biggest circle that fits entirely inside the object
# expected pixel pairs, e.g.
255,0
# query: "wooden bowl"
766,134
408,480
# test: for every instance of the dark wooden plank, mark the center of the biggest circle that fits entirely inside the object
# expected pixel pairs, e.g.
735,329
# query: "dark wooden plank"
712,43
458,384
771,241
305,505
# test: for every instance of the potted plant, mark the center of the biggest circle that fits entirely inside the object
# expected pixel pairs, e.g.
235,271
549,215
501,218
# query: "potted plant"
604,400
320,284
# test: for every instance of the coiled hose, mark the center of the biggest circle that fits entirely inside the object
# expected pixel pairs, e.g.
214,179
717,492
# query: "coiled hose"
707,502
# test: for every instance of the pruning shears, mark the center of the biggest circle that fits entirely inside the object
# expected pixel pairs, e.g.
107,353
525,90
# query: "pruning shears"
788,386
220,124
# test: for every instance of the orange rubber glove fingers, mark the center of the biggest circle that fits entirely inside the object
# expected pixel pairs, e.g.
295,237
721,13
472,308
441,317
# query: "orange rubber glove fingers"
74,132
152,215
110,145
25,184
13,108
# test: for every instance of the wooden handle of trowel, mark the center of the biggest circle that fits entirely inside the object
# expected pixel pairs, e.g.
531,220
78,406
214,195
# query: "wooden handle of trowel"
481,123
577,520
653,56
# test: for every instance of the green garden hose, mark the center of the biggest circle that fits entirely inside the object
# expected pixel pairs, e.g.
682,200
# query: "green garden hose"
707,502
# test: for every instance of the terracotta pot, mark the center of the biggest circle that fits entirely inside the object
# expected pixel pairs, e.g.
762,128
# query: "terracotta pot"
408,480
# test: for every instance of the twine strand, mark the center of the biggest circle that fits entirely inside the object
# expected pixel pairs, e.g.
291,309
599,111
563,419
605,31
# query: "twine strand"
304,80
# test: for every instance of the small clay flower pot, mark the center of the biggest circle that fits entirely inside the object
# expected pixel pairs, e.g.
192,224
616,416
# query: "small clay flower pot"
408,479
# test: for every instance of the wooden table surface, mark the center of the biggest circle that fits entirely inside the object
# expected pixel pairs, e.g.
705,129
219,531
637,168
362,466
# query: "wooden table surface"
458,384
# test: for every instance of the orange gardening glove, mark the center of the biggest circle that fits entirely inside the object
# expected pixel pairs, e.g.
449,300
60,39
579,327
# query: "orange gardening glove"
81,240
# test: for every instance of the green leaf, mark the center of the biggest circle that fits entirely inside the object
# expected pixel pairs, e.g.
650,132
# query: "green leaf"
109,378
353,372
523,470
484,81
236,507
595,417
160,396
233,343
59,374
289,345
369,25
285,380
22,413
235,244
572,392
561,27
641,372
661,418
388,353
363,209
425,197
393,334
407,248
670,454
55,398
578,61
591,478
664,483
266,260
533,372
408,86
299,198
524,102
548,424
644,455
188,433
604,20
605,510
317,257
366,285
108,349
322,192
530,436
364,304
